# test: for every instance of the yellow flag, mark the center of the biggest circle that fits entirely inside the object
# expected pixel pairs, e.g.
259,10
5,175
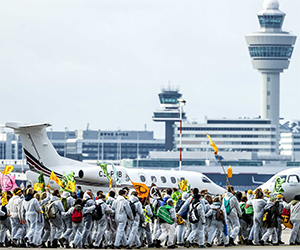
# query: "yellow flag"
110,182
183,185
48,186
55,178
8,169
70,186
213,145
38,186
229,172
142,189
4,199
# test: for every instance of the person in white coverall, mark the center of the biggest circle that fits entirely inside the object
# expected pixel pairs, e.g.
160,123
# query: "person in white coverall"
258,204
216,225
102,223
138,217
294,206
234,213
14,207
64,240
167,229
197,228
122,211
56,223
77,227
30,210
87,219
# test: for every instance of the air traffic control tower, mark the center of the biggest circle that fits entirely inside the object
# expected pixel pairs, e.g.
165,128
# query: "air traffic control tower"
170,113
270,50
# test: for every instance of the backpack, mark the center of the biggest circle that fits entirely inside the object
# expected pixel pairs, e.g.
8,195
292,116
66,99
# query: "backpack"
64,202
286,214
227,205
193,214
164,214
3,209
97,214
50,210
219,214
133,208
267,215
84,202
179,204
77,214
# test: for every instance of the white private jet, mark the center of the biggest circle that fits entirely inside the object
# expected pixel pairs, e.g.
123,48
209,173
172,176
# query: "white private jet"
42,156
291,185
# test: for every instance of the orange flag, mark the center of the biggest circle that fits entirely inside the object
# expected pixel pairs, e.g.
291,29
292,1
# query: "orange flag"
229,172
142,189
213,145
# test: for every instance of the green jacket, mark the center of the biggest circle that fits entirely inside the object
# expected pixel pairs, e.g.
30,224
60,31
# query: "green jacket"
166,214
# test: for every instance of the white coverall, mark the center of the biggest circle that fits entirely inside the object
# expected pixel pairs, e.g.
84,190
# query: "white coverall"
122,211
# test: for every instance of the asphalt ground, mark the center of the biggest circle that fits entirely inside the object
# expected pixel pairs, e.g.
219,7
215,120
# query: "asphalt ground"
285,238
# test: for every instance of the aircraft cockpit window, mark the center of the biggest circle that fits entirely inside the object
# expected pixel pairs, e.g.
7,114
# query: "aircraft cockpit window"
204,179
142,178
153,179
127,178
281,176
293,179
173,180
163,179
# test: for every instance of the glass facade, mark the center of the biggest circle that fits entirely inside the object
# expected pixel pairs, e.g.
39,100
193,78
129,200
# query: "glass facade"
271,51
169,97
293,164
167,115
226,129
143,163
238,122
226,136
243,163
270,21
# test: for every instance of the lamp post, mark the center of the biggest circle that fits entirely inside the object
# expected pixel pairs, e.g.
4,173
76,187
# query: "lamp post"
138,149
181,103
65,148
98,144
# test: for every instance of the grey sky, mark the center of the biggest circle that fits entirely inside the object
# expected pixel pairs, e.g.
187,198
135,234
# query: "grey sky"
103,62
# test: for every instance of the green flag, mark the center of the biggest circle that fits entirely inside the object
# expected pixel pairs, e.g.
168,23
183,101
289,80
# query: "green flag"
67,180
104,169
116,177
41,180
278,185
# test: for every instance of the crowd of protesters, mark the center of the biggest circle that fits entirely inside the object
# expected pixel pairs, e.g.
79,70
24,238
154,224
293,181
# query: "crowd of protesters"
121,219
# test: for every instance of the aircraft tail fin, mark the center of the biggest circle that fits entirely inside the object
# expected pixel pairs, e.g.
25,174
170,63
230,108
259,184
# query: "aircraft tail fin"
38,149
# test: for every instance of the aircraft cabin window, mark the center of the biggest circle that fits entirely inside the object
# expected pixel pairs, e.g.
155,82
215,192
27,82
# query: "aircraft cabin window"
204,179
293,179
142,178
281,176
163,179
182,178
153,179
173,180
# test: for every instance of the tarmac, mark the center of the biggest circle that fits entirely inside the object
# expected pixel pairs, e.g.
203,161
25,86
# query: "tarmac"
285,238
